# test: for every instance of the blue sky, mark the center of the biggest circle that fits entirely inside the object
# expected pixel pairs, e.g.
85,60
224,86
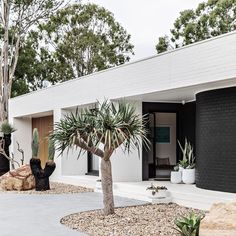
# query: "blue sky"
146,20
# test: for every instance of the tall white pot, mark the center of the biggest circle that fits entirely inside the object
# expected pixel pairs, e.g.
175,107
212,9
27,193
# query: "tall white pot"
188,176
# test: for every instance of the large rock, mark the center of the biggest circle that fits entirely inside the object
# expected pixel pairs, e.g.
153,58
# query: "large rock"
220,221
19,179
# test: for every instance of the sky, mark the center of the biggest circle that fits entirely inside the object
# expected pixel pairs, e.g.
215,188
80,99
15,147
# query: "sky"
146,20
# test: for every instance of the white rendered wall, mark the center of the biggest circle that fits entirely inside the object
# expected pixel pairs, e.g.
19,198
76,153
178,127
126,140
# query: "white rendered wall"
23,135
203,65
71,164
127,167
208,61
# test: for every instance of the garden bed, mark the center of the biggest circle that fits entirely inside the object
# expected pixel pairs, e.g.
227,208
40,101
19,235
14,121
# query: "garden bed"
56,188
149,220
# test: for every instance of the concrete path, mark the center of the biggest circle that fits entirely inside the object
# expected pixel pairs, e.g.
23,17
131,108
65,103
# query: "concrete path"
39,215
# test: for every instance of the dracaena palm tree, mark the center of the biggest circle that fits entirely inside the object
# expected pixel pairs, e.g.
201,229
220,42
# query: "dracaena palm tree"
101,131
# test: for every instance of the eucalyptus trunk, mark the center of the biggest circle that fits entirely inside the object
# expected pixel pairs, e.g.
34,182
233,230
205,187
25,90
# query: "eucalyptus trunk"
107,186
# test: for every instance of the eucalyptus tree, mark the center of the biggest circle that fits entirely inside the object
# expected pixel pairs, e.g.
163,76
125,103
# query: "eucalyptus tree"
101,131
17,18
85,38
209,19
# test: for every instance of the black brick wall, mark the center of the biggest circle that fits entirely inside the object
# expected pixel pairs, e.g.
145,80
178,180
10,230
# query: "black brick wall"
216,140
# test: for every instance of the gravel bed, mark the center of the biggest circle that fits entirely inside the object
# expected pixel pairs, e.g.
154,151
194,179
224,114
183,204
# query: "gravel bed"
56,188
148,220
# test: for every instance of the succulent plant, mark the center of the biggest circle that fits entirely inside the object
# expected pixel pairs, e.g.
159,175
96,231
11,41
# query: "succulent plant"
35,143
189,225
51,149
7,128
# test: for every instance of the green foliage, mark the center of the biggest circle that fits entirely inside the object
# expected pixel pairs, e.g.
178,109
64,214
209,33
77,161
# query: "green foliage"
77,40
155,189
51,149
111,125
24,16
7,128
35,143
188,160
209,19
188,226
176,168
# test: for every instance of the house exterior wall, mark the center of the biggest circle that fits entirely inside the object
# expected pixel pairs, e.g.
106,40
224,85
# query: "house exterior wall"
202,65
208,61
216,139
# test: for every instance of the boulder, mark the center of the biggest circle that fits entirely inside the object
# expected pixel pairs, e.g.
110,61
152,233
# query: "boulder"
220,221
19,179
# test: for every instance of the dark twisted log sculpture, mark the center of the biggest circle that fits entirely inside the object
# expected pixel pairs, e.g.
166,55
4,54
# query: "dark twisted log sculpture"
42,175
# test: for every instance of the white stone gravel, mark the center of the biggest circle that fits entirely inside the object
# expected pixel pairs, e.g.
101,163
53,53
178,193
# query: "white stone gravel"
56,188
148,220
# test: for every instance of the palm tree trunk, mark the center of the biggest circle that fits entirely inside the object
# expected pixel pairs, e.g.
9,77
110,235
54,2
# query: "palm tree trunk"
107,187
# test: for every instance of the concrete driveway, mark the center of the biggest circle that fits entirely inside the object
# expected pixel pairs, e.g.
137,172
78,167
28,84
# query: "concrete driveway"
39,215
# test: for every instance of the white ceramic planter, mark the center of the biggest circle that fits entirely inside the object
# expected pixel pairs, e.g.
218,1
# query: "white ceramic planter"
188,176
98,185
176,177
157,195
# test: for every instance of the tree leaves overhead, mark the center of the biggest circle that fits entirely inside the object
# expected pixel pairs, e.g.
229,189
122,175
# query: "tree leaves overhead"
86,38
209,19
77,40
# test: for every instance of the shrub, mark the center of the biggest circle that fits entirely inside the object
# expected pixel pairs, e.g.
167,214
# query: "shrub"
7,128
188,225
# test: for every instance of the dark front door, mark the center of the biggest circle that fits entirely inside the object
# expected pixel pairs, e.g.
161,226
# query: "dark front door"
93,164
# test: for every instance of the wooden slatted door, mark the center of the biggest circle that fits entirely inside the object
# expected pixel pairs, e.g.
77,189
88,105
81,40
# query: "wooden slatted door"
44,126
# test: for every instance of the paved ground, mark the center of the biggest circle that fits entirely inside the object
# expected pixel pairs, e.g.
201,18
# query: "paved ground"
39,215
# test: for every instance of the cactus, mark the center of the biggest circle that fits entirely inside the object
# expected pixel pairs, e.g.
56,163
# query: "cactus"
51,149
35,143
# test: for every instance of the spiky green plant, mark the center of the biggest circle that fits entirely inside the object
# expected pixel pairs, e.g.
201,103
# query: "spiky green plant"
35,143
51,149
7,128
101,131
188,155
188,225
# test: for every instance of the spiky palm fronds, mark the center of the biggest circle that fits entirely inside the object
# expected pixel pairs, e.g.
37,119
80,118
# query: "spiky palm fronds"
111,126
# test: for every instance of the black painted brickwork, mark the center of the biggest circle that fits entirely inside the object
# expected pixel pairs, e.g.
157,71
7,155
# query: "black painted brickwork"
216,140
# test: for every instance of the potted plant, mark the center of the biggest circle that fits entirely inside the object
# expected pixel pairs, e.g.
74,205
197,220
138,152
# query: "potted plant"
98,184
156,192
188,163
42,175
176,175
6,130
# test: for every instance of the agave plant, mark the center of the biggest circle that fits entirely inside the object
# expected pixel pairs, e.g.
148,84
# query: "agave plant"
188,225
101,131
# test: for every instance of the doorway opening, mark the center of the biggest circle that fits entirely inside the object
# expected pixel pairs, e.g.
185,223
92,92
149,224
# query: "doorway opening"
93,165
163,148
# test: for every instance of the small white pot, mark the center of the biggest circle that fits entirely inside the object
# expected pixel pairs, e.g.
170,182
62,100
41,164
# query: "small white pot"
176,177
98,185
181,168
157,195
188,176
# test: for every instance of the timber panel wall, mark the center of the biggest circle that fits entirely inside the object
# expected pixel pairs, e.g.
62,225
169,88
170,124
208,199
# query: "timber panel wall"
44,126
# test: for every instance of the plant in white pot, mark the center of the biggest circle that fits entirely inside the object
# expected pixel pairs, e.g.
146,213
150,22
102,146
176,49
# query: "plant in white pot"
176,175
188,163
156,192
